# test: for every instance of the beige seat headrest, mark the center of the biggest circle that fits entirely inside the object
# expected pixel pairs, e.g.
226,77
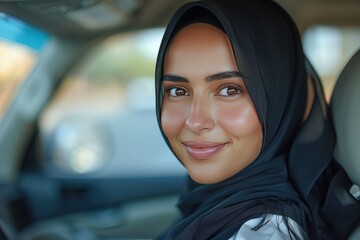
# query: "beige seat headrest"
345,108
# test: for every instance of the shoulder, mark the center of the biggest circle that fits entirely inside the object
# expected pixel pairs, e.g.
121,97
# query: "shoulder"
274,228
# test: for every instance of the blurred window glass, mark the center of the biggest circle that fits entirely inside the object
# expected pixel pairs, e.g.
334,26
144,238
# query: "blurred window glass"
329,49
101,121
20,44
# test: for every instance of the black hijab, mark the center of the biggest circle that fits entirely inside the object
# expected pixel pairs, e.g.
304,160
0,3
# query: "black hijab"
268,52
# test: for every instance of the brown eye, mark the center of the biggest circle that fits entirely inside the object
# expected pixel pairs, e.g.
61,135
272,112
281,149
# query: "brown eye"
229,91
177,92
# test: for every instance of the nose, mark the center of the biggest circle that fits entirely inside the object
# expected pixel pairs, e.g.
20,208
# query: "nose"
200,118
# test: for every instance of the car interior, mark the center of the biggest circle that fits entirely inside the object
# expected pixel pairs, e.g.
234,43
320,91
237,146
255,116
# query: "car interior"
346,116
81,153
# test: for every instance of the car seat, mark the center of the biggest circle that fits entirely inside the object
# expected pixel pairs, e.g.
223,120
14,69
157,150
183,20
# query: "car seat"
345,111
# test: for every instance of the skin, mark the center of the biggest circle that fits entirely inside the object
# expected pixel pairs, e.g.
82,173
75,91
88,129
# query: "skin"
207,114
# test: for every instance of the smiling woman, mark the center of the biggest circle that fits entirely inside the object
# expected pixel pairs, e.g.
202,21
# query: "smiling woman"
232,90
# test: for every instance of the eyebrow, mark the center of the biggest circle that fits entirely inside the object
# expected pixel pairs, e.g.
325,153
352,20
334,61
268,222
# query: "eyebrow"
174,78
223,75
213,77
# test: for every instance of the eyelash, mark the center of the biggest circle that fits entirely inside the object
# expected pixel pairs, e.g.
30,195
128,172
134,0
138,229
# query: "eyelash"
239,90
170,89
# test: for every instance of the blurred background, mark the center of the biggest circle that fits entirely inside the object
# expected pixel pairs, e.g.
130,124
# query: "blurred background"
81,153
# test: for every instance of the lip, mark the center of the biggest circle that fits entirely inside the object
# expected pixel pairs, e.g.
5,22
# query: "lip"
202,150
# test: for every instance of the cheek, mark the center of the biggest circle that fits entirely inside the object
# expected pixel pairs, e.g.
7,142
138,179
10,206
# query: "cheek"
172,119
239,119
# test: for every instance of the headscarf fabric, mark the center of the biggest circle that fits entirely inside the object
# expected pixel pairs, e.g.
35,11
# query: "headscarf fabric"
268,52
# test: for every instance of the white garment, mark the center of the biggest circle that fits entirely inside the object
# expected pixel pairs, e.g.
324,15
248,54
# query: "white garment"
274,229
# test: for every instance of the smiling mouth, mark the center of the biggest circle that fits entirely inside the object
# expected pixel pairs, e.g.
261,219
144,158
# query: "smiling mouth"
203,150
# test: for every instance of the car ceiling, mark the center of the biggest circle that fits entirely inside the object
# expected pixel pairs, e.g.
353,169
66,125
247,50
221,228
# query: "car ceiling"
91,18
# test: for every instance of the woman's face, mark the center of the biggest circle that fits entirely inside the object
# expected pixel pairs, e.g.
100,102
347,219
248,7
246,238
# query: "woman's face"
207,114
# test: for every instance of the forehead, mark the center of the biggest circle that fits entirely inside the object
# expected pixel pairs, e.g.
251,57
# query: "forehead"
197,34
199,46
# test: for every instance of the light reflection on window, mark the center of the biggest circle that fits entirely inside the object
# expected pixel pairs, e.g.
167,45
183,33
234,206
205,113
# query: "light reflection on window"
19,45
15,63
328,49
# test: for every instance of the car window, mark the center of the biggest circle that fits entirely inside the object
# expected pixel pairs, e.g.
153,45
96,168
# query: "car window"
329,48
20,45
101,121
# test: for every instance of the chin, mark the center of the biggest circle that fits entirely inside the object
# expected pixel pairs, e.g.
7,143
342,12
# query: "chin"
207,178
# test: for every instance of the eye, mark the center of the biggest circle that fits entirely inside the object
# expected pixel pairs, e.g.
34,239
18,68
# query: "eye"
230,91
177,92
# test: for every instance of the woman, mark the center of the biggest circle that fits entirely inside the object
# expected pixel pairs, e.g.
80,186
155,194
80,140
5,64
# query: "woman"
231,102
